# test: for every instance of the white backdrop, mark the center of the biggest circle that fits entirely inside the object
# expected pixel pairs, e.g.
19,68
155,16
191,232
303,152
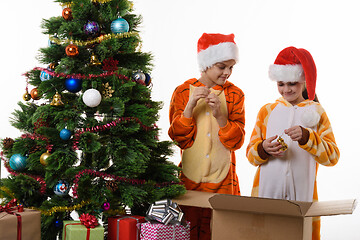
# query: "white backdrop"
170,29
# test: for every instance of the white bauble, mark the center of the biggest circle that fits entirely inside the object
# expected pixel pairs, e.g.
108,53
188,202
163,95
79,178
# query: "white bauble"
91,98
310,118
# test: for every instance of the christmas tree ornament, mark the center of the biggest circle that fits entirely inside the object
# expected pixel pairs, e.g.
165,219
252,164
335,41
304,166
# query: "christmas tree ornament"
72,50
284,146
26,96
44,76
44,157
65,134
119,25
57,100
110,64
91,28
147,79
91,97
35,94
139,76
8,143
73,85
106,206
52,66
67,14
58,223
17,162
94,61
61,188
107,91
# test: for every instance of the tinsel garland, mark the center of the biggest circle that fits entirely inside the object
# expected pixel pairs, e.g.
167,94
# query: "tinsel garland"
39,179
95,40
7,191
104,127
53,210
35,136
115,178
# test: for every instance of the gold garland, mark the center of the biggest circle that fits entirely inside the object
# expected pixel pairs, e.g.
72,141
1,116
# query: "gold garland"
68,4
96,40
7,191
53,210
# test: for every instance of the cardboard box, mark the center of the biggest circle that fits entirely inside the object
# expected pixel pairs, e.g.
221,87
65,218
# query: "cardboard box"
74,230
30,225
240,217
124,227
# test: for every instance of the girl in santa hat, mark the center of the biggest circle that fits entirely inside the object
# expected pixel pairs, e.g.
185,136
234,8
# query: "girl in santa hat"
207,122
293,135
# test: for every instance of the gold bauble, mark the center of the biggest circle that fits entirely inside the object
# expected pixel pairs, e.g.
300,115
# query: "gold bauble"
26,96
57,100
43,158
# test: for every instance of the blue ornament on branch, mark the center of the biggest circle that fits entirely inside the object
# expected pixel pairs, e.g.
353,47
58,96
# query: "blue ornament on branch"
91,28
17,162
73,85
61,188
65,134
44,76
119,25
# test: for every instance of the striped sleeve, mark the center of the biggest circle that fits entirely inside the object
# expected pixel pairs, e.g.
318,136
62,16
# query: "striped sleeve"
321,143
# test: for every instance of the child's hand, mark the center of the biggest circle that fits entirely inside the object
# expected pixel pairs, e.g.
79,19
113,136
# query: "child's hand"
295,133
214,103
199,92
273,147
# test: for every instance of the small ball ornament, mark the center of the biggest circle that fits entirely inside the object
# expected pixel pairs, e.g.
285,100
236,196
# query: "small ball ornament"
91,98
17,162
91,28
106,206
67,14
65,134
26,96
139,76
119,25
147,79
35,94
72,50
61,188
73,85
44,158
44,76
58,223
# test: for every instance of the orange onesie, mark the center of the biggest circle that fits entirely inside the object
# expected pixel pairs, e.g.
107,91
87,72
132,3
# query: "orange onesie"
208,158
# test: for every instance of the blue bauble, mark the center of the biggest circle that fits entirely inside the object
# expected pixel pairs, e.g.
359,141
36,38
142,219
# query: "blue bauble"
65,134
17,162
91,28
44,76
73,85
147,79
61,188
119,25
58,223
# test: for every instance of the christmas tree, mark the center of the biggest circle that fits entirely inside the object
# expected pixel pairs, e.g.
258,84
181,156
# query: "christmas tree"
89,141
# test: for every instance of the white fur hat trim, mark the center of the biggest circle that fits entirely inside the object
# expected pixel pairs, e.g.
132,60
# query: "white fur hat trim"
217,53
286,73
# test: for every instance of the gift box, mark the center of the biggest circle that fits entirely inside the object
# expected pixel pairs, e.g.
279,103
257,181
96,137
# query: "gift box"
159,231
124,227
74,230
26,224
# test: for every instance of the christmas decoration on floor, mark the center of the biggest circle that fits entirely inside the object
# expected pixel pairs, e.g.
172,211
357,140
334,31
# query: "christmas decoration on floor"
89,145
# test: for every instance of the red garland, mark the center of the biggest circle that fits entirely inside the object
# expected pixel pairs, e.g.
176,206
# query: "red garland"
82,76
39,179
38,137
88,220
113,177
104,127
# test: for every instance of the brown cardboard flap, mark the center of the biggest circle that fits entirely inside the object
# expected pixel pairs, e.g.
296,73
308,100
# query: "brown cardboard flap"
259,205
328,208
195,198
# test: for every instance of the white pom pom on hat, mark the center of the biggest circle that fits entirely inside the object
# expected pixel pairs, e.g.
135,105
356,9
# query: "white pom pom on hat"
215,47
295,65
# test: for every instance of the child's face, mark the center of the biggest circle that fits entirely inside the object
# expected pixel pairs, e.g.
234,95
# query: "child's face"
291,91
218,73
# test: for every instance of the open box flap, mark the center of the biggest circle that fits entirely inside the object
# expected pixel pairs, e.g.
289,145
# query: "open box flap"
327,208
259,205
195,198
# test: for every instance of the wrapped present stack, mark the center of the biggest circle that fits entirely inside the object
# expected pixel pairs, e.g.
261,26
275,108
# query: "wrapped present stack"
165,221
17,222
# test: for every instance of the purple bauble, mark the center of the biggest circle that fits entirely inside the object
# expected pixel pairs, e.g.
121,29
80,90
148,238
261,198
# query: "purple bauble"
106,206
91,28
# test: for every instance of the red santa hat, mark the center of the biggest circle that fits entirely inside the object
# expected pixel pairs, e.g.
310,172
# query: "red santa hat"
295,65
214,48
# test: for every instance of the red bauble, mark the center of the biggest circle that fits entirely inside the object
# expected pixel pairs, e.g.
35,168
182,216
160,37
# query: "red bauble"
35,94
72,50
67,14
